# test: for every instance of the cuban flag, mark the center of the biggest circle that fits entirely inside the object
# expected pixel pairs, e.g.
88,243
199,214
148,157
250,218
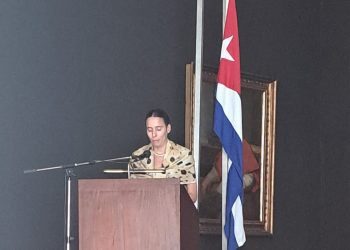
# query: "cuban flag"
228,127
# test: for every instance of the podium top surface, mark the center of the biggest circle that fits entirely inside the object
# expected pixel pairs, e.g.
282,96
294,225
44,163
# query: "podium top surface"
128,182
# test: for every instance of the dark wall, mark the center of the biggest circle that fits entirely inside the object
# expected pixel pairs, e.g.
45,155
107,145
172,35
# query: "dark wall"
335,123
76,79
304,45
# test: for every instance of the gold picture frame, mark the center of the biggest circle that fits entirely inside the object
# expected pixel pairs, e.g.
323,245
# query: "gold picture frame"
258,97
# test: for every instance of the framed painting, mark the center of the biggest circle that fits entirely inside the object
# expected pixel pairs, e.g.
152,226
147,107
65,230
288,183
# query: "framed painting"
258,96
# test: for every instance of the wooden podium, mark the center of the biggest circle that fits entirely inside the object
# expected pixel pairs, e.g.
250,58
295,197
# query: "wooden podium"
147,214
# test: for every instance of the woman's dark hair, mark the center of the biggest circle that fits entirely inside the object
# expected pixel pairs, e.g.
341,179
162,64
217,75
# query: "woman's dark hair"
158,113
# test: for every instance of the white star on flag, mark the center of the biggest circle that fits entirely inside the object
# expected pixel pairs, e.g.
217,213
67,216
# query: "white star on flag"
224,52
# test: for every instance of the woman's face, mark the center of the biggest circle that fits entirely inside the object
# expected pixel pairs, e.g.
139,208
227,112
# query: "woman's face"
157,131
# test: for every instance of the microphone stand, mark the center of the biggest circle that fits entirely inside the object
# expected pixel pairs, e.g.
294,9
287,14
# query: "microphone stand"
67,207
68,180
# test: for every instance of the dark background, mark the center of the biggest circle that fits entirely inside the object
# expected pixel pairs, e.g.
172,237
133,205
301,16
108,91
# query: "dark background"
76,78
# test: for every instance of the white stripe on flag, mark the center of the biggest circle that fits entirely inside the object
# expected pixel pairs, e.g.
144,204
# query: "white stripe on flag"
238,217
225,166
232,110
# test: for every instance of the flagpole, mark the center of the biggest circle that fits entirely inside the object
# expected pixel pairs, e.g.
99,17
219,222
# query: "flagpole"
224,10
224,158
197,84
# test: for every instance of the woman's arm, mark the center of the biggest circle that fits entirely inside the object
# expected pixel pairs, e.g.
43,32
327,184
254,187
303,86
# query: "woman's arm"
192,191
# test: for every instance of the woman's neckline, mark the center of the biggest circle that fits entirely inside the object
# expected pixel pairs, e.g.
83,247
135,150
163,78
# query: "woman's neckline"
157,154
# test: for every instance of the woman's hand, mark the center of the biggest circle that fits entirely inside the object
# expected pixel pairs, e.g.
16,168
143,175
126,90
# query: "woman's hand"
192,191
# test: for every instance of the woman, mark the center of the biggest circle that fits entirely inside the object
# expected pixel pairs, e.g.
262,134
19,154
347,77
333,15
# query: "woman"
175,159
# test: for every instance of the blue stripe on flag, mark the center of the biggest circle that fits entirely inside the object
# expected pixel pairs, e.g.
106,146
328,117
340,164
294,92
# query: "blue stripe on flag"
232,144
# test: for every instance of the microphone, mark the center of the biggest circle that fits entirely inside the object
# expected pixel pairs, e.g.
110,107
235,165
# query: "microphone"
145,154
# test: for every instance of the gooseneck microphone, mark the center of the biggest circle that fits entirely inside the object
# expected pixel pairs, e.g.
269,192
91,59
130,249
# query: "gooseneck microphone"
145,154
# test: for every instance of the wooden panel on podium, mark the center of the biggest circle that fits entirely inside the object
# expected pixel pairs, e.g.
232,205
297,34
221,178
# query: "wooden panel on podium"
131,214
189,222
